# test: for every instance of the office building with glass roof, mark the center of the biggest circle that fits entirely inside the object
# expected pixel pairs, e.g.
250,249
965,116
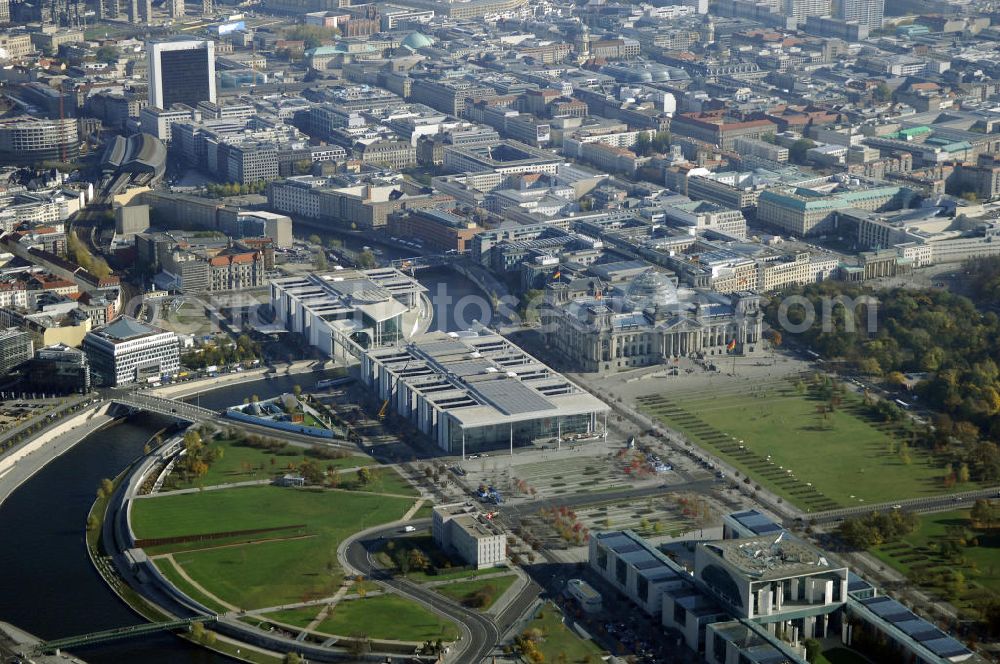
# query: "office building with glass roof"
476,390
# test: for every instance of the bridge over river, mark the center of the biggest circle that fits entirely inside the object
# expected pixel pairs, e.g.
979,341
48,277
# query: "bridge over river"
94,638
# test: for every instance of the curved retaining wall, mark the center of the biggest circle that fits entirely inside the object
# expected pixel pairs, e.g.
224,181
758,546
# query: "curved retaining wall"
120,530
25,460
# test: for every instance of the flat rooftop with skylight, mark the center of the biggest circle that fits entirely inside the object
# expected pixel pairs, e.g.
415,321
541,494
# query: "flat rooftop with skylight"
476,390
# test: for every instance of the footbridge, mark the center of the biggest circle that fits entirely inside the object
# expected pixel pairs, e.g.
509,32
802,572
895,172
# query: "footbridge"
94,638
182,410
163,406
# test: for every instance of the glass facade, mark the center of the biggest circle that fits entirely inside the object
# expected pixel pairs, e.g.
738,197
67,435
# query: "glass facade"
184,75
525,433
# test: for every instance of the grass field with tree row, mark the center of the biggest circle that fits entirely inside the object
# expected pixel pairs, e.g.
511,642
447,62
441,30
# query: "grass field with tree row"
792,441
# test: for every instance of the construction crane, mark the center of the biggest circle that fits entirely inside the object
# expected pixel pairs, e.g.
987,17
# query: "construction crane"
385,404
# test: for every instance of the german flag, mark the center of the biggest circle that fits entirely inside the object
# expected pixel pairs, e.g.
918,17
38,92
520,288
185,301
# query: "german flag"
558,273
731,346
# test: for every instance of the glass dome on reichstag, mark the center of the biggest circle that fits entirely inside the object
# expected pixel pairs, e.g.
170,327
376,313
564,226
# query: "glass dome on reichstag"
650,289
416,41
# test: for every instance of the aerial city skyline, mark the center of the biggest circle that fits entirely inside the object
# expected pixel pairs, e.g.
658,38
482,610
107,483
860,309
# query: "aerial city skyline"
500,331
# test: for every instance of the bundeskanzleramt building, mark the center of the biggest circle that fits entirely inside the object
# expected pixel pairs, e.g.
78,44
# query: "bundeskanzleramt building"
340,312
465,531
126,351
758,594
478,391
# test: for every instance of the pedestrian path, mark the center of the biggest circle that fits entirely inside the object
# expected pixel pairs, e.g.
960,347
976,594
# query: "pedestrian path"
197,586
413,510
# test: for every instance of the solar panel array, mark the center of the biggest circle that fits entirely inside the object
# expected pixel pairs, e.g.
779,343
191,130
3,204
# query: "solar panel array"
915,627
756,522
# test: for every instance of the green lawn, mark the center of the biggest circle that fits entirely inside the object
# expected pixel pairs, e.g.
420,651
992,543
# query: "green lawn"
838,461
168,570
841,656
459,590
426,511
241,464
300,617
273,572
445,574
386,480
388,617
558,639
918,557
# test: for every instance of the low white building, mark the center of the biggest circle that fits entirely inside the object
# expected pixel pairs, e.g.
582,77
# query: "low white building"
463,530
589,599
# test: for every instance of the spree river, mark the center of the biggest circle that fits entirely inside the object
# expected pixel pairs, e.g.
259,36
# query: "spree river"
47,583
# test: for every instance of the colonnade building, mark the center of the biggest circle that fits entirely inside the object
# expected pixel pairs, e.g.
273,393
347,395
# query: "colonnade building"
477,391
650,322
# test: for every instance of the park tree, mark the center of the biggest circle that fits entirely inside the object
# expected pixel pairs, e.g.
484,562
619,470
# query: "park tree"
311,472
642,146
870,367
661,141
882,92
957,586
418,560
292,658
965,431
364,476
319,261
366,259
529,305
813,650
402,560
198,468
315,240
107,487
192,441
107,54
983,514
895,379
963,473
